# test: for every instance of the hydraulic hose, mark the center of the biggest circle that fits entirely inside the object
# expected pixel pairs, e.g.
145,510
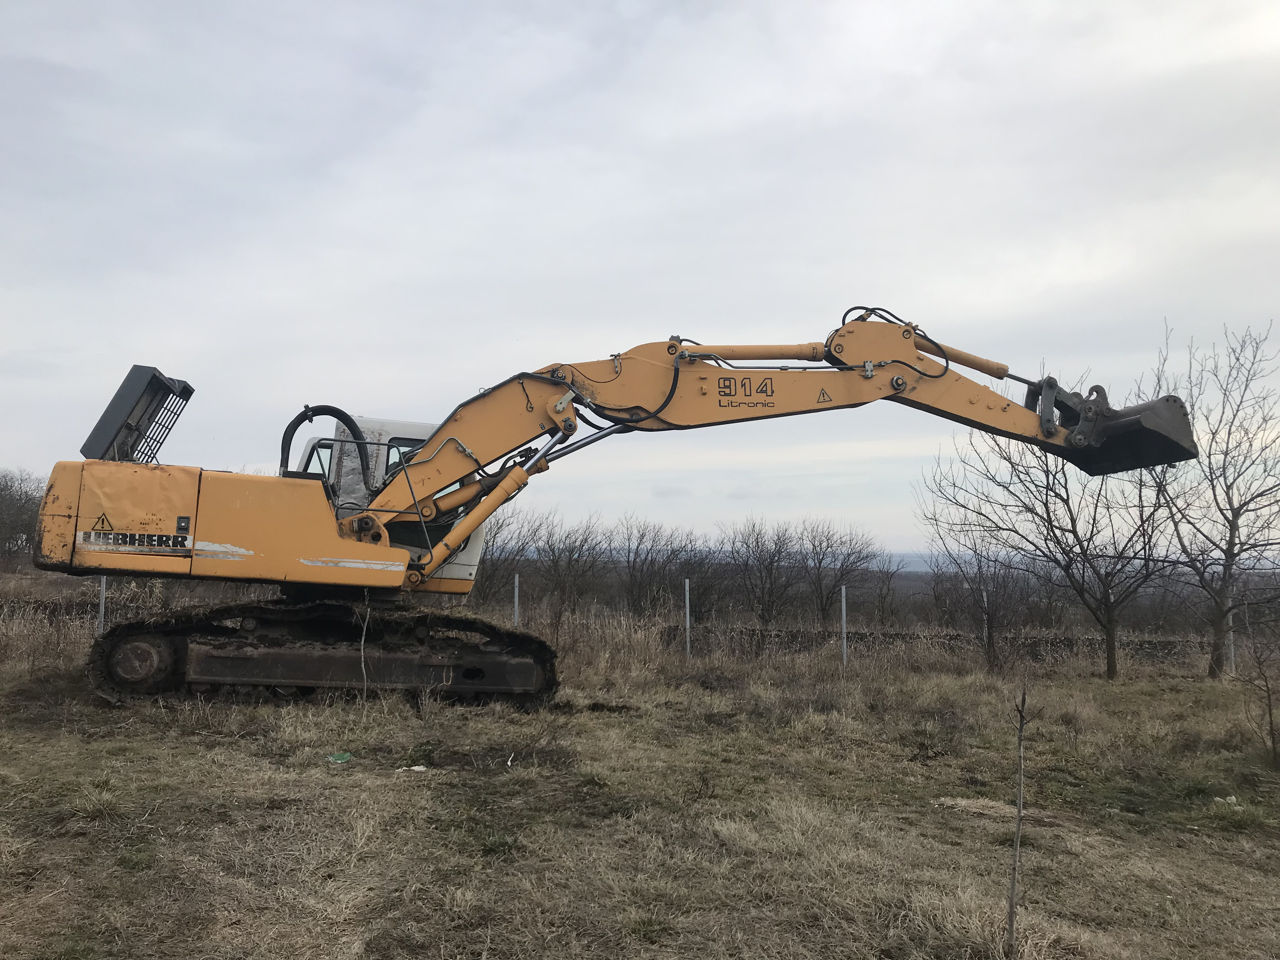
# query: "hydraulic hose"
309,414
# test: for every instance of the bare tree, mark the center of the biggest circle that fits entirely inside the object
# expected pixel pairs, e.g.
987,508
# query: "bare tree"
983,582
706,569
20,494
509,539
568,558
1225,506
763,563
1099,536
649,558
829,557
885,569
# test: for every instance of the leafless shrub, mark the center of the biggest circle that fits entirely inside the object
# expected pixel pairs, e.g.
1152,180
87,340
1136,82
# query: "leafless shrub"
568,557
1261,673
831,557
710,581
650,559
509,539
20,494
884,574
978,586
1024,718
762,559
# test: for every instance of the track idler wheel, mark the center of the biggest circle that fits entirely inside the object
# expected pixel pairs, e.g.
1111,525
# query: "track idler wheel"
140,665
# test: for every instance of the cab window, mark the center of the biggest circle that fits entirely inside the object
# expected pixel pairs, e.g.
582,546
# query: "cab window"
318,462
397,449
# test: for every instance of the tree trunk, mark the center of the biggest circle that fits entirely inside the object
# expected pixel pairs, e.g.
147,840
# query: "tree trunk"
1218,644
1113,664
1270,704
1229,641
989,637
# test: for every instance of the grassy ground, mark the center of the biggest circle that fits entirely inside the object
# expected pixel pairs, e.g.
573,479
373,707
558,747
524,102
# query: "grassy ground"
657,809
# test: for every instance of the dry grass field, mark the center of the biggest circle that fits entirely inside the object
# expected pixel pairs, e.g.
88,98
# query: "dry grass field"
771,808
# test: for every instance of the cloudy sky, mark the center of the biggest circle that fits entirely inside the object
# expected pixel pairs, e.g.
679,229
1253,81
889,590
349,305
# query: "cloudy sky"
387,206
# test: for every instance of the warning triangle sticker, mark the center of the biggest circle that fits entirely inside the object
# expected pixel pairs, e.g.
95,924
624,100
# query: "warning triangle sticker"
102,523
824,397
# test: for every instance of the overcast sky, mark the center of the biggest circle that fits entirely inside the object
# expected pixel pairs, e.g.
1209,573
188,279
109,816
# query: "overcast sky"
387,206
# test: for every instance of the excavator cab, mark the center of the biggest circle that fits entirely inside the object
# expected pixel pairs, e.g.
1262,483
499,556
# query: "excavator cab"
387,444
375,450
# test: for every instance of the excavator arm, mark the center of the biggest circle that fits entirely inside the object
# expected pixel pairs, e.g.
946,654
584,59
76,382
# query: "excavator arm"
679,384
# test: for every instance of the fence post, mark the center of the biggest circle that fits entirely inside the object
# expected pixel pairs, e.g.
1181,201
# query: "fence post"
102,605
988,639
688,643
844,628
517,601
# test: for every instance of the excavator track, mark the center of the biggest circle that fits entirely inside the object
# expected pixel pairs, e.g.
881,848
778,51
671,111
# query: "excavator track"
281,647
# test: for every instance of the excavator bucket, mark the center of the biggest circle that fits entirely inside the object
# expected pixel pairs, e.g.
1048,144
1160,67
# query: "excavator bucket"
1147,434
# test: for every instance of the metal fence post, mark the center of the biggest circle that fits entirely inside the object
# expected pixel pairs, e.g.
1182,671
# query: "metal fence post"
517,601
102,605
688,643
844,628
988,641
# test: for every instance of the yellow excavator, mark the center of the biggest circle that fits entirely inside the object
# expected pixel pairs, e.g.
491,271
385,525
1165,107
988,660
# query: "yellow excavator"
349,564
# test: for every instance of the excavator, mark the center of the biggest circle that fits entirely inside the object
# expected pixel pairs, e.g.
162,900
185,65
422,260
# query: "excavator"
365,526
